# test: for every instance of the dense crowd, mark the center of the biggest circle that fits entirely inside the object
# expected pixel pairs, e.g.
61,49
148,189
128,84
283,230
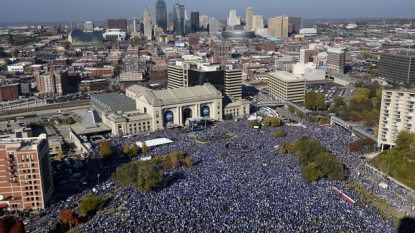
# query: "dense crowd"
239,183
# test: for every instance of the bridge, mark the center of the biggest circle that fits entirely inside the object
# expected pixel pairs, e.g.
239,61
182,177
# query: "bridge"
268,103
354,129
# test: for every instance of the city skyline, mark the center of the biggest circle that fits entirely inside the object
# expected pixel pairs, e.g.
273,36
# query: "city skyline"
77,9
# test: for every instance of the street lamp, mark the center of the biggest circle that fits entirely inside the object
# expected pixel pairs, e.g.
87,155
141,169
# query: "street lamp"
98,179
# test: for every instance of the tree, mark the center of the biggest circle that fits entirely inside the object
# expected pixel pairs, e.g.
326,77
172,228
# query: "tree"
127,149
320,102
300,115
330,166
60,155
34,124
144,147
283,150
175,162
324,121
255,123
362,95
338,101
106,151
134,150
91,204
189,161
404,140
68,216
278,134
311,172
309,99
266,121
148,177
275,121
366,55
126,174
66,46
11,224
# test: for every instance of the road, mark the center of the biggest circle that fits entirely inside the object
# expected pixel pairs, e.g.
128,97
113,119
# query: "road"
45,108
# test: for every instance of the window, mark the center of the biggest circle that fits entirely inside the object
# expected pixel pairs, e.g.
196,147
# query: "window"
25,176
34,181
27,157
31,156
36,192
22,158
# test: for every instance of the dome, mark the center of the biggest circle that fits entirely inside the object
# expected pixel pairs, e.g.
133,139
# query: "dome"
239,34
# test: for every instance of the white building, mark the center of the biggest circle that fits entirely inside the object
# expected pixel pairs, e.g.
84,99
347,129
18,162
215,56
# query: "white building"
257,24
203,21
147,24
298,68
114,34
213,26
314,74
249,19
18,67
308,31
232,19
396,115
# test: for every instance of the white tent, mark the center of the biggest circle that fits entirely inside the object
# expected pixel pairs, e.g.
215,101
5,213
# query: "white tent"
155,142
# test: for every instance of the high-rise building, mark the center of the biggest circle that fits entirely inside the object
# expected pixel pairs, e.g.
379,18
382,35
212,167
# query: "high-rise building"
204,20
232,19
26,175
396,115
89,26
117,23
170,22
161,14
398,66
278,26
336,58
56,81
178,15
223,77
283,85
134,22
147,24
308,55
195,21
213,26
249,19
154,19
297,23
223,50
257,23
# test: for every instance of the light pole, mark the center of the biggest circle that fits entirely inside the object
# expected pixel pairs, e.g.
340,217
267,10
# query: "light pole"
98,179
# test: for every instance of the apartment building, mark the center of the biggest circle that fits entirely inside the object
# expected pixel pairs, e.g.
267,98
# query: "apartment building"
396,114
25,173
336,58
93,85
286,86
9,92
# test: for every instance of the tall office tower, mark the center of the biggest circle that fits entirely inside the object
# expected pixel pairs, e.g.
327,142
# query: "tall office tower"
89,26
204,20
186,16
232,19
195,21
187,26
336,58
297,22
178,15
283,85
278,26
117,23
257,22
223,77
396,115
213,26
308,55
161,14
154,18
26,175
249,18
398,66
134,22
147,24
171,22
223,50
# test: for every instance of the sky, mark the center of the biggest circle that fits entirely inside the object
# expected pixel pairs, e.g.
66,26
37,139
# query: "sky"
63,10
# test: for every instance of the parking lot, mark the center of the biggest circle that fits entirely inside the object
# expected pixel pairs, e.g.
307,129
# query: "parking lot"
331,90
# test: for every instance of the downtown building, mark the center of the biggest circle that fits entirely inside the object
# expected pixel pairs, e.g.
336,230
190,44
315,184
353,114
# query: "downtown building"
336,58
396,114
25,173
117,24
278,26
161,14
179,19
398,66
283,85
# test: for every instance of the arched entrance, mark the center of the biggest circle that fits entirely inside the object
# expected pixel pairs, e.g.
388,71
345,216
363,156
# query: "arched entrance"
168,117
205,111
187,113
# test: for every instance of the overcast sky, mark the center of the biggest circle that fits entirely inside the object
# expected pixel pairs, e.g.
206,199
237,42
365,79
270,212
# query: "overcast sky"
62,10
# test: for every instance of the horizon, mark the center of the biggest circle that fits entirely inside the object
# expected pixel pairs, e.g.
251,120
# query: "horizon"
49,11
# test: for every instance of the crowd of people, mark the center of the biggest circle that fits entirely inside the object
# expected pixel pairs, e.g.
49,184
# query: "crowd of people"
239,183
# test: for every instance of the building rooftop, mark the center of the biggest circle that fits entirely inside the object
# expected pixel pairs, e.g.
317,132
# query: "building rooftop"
91,117
113,102
286,76
90,129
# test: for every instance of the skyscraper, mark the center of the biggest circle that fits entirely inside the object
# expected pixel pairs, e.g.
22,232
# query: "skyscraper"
161,14
134,22
178,15
297,22
213,26
204,20
278,26
154,18
257,23
147,24
336,58
249,18
232,19
117,23
398,66
195,21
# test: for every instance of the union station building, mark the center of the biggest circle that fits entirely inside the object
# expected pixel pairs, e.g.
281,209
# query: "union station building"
144,110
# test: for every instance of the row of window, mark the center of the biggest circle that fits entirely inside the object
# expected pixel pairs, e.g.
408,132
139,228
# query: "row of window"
27,157
31,193
139,124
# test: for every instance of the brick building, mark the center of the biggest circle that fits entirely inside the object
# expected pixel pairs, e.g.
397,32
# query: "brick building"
93,85
107,72
9,92
25,173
